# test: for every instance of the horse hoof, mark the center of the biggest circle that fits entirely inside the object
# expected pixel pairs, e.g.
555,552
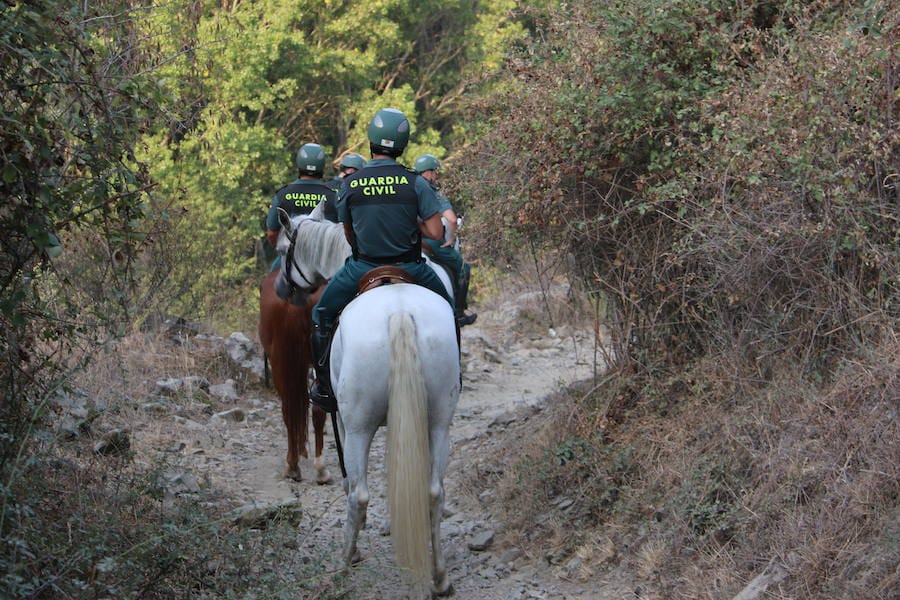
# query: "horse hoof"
324,478
442,591
293,474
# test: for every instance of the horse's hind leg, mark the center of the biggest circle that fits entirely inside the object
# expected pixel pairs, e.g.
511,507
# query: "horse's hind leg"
440,450
441,585
319,417
356,457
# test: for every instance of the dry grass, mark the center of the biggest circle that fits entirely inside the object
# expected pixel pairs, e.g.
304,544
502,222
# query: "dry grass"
107,526
726,476
125,374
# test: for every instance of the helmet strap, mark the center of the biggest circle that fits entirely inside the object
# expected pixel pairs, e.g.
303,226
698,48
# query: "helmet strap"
378,149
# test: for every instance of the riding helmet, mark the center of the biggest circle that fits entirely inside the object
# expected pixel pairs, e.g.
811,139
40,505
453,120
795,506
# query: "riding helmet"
311,159
427,162
389,132
353,161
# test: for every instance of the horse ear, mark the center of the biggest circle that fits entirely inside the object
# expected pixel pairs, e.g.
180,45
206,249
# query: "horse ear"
318,213
284,219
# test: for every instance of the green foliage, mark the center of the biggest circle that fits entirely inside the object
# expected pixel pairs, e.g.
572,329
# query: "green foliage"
76,226
250,83
579,100
71,111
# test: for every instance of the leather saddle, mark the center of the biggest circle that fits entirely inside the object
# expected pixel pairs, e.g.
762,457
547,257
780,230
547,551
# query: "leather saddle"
380,276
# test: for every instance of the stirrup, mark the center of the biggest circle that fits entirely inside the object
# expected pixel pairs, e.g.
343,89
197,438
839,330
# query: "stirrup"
321,395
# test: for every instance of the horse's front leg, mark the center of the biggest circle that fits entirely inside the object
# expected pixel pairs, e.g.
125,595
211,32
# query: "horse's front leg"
319,418
292,424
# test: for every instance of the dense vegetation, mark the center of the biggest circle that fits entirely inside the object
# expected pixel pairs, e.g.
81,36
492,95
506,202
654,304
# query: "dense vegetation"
720,180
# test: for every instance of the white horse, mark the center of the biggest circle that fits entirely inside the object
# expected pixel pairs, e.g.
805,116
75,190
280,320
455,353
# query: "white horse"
394,361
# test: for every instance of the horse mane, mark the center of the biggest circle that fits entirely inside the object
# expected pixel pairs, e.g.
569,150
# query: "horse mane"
321,244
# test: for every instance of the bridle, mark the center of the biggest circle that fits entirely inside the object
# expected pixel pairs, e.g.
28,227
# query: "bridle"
285,286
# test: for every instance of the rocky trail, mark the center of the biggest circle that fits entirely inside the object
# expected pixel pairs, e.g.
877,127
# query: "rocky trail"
508,375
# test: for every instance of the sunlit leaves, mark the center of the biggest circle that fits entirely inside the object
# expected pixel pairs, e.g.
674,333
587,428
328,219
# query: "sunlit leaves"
250,82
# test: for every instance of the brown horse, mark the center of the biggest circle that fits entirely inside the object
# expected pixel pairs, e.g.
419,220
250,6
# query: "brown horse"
284,332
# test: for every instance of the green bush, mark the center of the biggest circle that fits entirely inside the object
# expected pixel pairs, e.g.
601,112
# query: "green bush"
76,212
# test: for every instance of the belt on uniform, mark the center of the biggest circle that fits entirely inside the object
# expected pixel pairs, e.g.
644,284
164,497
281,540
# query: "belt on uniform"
414,255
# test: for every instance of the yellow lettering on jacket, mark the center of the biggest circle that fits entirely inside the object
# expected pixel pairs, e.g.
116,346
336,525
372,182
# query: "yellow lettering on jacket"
304,199
365,182
379,190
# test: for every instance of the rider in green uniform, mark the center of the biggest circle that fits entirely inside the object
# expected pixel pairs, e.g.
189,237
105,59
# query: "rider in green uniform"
350,164
302,195
445,251
380,206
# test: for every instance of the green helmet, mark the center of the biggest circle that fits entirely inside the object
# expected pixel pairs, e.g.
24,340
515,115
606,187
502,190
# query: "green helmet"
389,132
311,159
427,162
353,161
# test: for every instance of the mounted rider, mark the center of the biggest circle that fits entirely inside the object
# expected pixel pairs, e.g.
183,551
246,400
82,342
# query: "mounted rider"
302,195
386,209
445,251
350,164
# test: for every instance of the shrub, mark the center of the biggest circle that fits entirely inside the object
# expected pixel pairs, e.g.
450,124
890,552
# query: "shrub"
723,176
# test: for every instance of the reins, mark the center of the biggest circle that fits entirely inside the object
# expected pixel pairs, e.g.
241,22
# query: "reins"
290,264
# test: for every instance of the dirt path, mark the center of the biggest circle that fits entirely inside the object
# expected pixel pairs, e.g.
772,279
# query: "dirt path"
507,377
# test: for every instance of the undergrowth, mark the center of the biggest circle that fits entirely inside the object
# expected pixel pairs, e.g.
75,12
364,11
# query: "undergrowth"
708,489
93,530
724,177
81,524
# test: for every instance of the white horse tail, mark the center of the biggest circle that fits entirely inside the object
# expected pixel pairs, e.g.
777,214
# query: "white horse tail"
409,460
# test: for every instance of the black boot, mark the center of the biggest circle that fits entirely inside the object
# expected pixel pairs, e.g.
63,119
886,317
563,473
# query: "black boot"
320,393
462,298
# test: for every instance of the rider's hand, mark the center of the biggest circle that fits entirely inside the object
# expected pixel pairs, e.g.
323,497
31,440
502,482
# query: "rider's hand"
449,235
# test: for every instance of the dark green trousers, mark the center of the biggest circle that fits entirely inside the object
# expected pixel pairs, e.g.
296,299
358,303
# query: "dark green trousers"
343,287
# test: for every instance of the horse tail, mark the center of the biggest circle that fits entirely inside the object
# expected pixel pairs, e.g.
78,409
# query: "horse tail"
409,460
